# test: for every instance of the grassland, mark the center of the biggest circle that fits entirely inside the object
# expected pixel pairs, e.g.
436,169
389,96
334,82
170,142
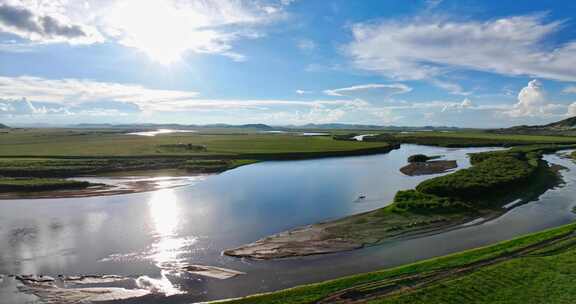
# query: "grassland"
494,180
92,143
469,139
73,152
537,268
39,184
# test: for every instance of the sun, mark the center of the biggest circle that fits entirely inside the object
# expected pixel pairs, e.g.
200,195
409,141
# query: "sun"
158,28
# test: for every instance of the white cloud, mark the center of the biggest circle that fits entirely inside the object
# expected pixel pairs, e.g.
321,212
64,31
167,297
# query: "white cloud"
306,45
465,104
571,109
76,91
431,4
451,87
533,101
385,90
303,92
422,48
21,20
82,95
163,29
569,90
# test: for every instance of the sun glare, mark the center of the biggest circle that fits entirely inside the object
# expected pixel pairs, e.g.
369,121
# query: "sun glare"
158,28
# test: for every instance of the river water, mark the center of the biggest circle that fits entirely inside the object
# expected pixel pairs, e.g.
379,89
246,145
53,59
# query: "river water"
144,234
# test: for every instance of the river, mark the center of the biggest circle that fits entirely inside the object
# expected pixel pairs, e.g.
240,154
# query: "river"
144,234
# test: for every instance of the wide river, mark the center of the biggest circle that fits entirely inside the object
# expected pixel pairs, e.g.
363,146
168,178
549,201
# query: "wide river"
138,235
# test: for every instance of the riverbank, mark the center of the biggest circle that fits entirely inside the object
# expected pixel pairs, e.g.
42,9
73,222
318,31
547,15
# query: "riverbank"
127,183
40,184
529,269
437,204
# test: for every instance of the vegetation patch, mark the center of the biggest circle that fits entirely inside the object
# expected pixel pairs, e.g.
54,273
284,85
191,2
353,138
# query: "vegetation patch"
39,184
182,148
418,202
492,175
417,158
429,167
215,165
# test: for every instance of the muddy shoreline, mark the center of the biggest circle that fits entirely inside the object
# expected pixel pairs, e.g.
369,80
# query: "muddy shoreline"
145,181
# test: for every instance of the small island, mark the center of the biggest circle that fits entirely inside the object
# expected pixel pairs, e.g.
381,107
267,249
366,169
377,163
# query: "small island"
420,164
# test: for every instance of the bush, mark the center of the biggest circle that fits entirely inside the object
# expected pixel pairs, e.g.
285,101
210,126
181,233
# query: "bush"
494,174
414,201
418,158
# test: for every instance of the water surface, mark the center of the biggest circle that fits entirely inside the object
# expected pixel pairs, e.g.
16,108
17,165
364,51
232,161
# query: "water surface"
144,234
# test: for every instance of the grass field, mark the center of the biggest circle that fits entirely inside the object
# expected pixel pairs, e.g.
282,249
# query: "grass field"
72,152
77,142
469,139
537,268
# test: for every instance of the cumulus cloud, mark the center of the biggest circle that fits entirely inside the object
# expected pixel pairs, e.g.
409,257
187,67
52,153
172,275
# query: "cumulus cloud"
571,109
533,101
423,48
368,91
29,24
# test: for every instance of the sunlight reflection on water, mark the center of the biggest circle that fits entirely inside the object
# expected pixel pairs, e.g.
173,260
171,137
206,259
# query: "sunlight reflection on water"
167,247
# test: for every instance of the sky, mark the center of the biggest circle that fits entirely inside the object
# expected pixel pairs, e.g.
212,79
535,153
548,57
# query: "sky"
464,63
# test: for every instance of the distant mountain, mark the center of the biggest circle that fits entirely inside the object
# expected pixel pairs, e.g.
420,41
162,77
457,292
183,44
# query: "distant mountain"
265,127
2,126
262,127
563,127
566,124
342,126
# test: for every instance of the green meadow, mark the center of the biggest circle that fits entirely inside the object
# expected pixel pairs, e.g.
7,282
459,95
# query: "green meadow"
537,268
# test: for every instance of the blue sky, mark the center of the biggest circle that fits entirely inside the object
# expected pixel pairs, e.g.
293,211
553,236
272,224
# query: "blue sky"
467,63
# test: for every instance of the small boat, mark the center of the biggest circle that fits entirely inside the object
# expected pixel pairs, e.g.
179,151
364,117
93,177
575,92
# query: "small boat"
361,197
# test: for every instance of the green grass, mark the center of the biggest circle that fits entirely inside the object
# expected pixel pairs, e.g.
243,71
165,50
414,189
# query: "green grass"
418,202
32,167
64,142
478,139
72,152
216,165
490,176
39,184
547,279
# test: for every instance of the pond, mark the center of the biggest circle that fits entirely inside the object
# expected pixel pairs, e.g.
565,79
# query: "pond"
148,235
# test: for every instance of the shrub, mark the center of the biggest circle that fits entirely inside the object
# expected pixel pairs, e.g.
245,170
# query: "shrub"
414,201
493,174
418,158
